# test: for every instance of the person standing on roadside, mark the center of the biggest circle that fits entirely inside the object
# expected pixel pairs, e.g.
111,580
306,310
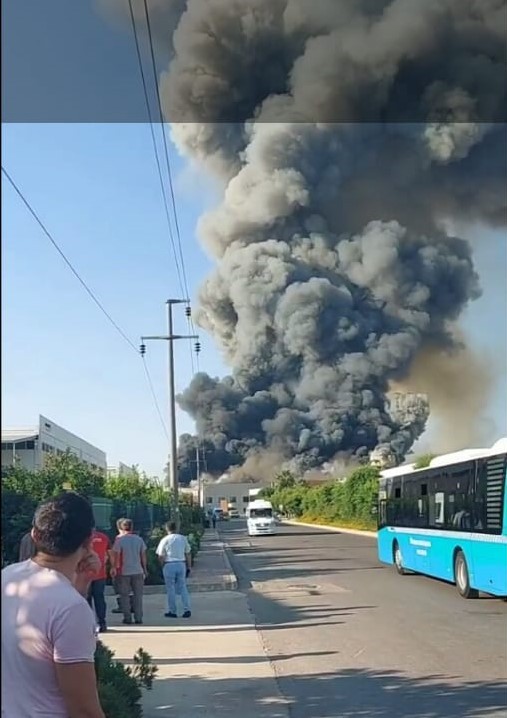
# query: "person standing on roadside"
96,593
48,630
130,570
175,557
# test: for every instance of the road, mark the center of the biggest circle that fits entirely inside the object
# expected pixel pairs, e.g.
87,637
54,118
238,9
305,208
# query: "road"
349,638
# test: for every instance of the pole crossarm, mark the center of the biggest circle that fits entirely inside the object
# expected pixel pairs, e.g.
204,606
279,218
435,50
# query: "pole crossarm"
171,337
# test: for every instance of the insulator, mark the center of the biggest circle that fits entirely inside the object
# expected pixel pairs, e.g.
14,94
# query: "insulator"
188,310
142,349
197,347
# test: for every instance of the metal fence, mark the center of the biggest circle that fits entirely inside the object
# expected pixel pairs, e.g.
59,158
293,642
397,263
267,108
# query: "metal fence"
144,516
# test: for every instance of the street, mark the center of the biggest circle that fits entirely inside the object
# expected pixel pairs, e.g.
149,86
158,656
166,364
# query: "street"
347,636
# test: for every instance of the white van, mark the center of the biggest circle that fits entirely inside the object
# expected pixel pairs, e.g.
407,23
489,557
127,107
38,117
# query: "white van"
260,518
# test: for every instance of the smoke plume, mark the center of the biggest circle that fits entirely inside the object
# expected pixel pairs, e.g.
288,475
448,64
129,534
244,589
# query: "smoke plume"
347,134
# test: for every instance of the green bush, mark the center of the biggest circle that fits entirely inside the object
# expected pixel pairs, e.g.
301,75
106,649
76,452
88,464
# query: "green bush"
351,501
17,516
120,687
423,461
134,496
154,577
195,543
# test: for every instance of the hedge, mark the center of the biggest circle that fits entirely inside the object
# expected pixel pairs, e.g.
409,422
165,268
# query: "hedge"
120,687
351,501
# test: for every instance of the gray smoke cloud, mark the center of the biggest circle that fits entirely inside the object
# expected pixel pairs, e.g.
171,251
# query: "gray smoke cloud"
346,134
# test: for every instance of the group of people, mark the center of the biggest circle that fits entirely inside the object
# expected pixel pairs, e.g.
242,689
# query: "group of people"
48,630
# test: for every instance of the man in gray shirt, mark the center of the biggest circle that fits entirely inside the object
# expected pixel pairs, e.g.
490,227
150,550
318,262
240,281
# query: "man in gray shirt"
129,553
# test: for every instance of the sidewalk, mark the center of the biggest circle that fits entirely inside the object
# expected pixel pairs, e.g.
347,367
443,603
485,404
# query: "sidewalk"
212,570
211,665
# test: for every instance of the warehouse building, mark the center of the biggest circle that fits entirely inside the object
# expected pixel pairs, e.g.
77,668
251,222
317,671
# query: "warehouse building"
235,493
30,446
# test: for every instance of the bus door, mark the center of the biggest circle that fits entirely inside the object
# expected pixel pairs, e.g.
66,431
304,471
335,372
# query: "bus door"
490,552
420,543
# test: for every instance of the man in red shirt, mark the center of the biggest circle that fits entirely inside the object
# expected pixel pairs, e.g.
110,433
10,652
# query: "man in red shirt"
101,546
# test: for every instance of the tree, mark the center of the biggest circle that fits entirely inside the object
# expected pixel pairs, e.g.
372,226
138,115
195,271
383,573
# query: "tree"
64,471
136,486
67,471
285,480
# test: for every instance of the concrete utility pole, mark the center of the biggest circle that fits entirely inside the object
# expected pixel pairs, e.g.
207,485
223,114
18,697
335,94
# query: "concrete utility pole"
198,475
173,456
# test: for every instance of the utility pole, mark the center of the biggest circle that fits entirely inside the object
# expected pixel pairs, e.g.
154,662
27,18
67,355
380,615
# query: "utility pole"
173,448
198,475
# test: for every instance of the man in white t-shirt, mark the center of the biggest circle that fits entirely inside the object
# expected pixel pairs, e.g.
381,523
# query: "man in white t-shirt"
48,629
174,555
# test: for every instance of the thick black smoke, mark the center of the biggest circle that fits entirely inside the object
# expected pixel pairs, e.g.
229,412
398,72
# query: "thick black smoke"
348,134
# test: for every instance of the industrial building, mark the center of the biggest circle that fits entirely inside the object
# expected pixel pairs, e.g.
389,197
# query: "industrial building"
30,446
120,470
236,493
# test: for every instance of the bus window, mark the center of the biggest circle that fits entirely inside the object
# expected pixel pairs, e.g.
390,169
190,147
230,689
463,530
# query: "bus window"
438,507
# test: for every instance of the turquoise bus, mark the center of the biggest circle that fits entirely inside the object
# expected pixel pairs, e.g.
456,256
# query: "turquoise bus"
449,519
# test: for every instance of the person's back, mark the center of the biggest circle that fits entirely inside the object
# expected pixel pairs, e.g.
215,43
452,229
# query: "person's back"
130,566
173,547
130,548
44,619
174,555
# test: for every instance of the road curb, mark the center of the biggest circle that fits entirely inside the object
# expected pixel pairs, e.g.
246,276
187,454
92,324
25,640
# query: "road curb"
334,529
231,579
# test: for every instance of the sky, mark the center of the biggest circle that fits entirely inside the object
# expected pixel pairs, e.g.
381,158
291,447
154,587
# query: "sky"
96,188
72,78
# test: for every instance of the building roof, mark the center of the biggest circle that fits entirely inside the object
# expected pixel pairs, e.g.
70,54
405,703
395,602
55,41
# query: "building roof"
14,435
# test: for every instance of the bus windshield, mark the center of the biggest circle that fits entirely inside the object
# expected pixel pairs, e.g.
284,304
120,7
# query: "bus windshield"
261,513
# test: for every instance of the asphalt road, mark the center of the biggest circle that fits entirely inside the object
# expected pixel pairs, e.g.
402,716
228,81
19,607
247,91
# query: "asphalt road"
349,638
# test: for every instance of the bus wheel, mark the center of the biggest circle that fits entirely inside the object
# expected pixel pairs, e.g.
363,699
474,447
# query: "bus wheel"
462,578
398,559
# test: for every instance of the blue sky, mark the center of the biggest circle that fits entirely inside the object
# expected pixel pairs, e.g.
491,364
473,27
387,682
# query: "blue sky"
96,188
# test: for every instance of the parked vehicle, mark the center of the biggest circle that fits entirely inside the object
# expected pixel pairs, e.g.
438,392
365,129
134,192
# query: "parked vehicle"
218,514
233,514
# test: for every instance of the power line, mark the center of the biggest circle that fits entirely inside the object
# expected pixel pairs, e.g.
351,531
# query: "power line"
68,262
85,286
166,149
181,280
155,400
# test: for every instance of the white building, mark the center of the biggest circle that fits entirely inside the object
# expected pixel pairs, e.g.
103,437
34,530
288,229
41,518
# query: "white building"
120,470
235,493
29,446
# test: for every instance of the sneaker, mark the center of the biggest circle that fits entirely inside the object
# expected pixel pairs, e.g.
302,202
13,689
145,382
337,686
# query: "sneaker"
187,614
103,628
138,623
170,615
127,622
